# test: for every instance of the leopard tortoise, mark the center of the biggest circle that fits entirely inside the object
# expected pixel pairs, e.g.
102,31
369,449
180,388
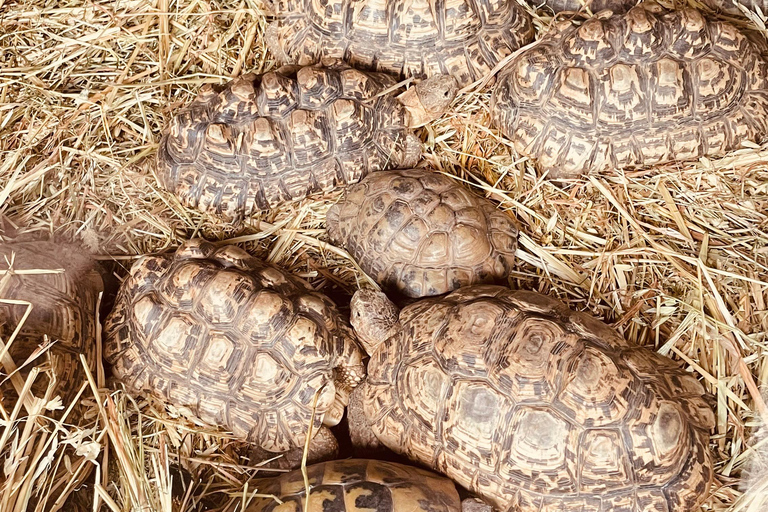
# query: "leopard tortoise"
529,404
260,141
615,6
622,6
355,485
62,283
418,232
234,342
628,91
407,38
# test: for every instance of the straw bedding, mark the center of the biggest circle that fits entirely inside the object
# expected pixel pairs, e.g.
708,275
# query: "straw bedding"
676,258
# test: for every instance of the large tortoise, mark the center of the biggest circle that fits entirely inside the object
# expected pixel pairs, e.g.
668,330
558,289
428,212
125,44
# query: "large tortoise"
408,38
260,141
62,283
531,405
640,89
622,6
235,342
355,485
418,232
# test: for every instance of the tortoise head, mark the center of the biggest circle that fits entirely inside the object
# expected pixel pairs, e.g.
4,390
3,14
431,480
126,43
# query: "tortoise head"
429,99
374,318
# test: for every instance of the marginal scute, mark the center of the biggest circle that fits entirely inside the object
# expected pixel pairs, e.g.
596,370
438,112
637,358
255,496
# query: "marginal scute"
532,406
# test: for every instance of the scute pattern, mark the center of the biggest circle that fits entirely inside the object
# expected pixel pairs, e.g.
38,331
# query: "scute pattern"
419,38
420,233
234,341
615,6
543,408
634,90
260,141
357,485
64,294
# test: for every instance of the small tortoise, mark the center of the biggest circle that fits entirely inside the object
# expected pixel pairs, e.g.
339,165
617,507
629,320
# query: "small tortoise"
615,6
260,141
62,283
418,232
235,342
356,485
531,405
408,38
634,90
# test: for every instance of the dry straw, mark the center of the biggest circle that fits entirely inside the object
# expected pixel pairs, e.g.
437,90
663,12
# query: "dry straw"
676,258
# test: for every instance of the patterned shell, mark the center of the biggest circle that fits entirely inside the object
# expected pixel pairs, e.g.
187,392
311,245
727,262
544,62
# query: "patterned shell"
536,407
260,141
634,90
616,6
62,283
357,485
622,6
234,341
420,233
420,38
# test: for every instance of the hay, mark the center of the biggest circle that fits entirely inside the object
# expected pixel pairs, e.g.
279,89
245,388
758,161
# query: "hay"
675,258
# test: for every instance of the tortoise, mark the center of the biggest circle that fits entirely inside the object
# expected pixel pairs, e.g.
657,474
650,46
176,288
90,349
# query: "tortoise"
235,342
413,38
530,405
418,232
615,6
62,283
261,141
355,485
636,90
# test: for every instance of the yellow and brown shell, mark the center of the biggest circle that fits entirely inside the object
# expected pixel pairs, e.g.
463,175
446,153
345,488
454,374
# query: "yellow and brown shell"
357,485
407,38
234,341
536,407
260,141
634,90
61,282
420,233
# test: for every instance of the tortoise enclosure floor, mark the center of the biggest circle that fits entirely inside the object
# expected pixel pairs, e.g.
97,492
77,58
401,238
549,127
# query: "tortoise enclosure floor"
676,258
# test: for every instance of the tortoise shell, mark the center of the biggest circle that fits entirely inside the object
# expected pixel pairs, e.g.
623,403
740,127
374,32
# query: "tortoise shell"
640,89
537,407
615,6
62,283
356,485
407,38
260,141
418,232
234,342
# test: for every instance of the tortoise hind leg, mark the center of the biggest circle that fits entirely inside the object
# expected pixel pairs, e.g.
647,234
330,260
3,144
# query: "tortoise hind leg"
323,447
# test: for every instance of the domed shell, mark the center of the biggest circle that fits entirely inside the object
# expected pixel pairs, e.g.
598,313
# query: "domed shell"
357,485
62,283
419,38
419,233
235,342
595,6
536,407
634,90
261,141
